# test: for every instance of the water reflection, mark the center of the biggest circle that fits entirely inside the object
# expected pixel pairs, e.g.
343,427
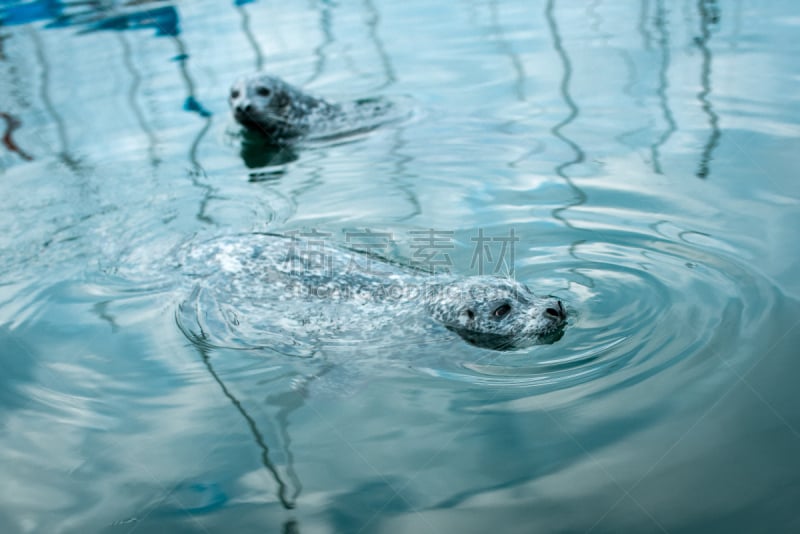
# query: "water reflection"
239,5
326,27
575,445
27,12
580,196
662,40
402,177
166,21
98,17
594,15
633,75
286,495
709,13
401,160
662,292
641,25
12,123
64,152
516,62
133,102
256,153
3,37
373,22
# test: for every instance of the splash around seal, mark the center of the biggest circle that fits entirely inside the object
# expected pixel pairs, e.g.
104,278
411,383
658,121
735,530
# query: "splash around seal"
270,291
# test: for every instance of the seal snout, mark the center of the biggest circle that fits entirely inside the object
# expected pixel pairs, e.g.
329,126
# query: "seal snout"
244,108
555,311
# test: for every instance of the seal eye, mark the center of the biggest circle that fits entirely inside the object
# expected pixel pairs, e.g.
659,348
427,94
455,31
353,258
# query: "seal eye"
263,91
501,310
470,314
235,93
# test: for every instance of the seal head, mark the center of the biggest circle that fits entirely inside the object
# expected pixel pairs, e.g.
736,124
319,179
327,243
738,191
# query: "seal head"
270,106
498,313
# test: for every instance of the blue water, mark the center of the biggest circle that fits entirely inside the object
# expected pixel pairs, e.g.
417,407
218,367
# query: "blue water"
644,153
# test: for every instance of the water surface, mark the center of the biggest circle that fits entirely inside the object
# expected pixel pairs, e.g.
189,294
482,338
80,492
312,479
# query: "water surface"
641,153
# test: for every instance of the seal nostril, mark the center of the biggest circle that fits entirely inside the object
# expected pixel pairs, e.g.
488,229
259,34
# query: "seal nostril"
556,312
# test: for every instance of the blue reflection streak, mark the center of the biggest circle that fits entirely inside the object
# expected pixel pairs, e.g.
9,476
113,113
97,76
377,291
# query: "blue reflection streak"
573,114
24,13
662,40
709,15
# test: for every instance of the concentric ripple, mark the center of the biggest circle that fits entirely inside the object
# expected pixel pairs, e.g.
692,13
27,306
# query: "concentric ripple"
639,304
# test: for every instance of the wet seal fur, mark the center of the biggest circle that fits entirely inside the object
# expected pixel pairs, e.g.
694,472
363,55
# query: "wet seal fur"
283,114
272,282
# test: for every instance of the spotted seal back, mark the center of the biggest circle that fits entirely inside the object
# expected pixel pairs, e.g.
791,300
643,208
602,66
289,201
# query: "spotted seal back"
278,292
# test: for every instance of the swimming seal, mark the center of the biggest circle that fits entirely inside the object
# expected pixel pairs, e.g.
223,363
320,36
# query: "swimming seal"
283,291
283,114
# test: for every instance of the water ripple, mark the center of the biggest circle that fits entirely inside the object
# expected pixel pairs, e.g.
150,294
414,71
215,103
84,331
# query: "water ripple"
639,304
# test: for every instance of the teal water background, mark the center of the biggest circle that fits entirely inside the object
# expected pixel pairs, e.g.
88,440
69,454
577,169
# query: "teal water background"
644,152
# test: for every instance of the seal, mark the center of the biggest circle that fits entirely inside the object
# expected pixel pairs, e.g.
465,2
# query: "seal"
269,290
283,114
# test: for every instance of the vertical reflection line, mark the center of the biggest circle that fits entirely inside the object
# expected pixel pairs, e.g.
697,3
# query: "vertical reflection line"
3,37
573,114
632,74
12,123
320,51
196,143
193,105
196,172
44,95
647,39
400,171
288,402
663,84
248,32
505,46
287,502
136,81
591,12
182,58
709,15
373,21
